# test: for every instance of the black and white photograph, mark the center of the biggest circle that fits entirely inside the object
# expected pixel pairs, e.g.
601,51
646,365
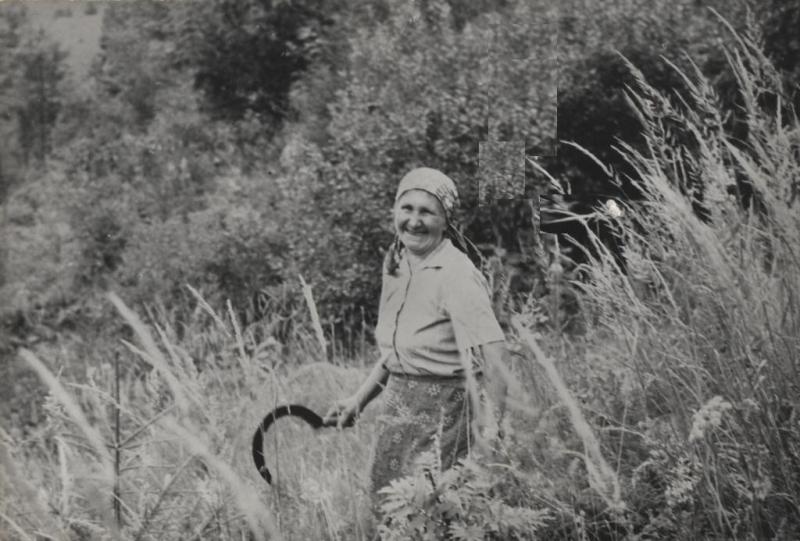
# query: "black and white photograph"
401,270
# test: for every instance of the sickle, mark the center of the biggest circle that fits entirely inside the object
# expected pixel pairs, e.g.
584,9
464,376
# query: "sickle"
295,410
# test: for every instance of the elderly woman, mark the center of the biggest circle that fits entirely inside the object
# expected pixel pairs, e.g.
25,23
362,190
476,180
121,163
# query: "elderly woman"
435,324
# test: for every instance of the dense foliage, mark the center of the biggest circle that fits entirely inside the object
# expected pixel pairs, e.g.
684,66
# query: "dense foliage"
418,92
173,133
246,55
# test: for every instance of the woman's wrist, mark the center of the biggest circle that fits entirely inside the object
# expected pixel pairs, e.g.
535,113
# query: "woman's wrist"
372,387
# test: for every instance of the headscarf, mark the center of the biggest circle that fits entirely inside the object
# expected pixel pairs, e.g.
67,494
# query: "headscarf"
435,183
438,185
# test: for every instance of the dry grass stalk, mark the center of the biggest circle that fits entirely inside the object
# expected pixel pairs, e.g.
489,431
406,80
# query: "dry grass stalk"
315,321
22,533
247,499
151,354
207,307
602,478
74,411
244,360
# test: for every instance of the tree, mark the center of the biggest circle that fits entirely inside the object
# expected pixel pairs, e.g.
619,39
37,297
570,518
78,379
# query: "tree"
246,54
133,64
593,110
12,18
41,70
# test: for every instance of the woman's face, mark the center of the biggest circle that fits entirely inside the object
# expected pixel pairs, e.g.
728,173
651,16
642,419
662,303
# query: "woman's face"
420,221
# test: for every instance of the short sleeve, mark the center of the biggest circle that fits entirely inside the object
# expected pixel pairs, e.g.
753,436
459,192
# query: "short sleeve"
467,303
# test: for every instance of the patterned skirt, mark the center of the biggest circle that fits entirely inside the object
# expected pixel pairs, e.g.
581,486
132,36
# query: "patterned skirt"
419,410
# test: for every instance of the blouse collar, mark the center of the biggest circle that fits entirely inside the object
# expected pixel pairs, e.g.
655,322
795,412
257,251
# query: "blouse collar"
439,257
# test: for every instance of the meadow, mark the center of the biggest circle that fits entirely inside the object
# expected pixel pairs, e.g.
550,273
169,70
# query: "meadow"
667,410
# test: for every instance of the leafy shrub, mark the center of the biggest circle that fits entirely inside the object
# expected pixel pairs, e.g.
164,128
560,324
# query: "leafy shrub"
467,502
229,253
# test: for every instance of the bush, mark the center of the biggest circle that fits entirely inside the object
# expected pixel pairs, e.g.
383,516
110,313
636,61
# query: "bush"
467,502
227,253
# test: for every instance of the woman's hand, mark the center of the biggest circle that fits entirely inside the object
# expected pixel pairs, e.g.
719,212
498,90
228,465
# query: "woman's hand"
343,412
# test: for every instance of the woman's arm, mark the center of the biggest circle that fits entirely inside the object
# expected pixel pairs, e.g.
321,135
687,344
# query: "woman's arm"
373,384
343,411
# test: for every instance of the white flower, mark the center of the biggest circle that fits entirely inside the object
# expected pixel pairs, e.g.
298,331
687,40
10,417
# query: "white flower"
613,209
708,416
681,486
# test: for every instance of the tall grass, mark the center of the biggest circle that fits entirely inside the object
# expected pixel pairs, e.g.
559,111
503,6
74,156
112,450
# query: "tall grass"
186,418
706,321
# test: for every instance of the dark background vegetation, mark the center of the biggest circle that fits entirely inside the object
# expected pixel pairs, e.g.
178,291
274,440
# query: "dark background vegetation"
233,145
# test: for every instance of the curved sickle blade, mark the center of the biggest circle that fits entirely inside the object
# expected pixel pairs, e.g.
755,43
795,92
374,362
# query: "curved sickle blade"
295,410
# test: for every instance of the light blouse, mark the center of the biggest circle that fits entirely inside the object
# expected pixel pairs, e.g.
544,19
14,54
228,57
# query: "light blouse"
430,317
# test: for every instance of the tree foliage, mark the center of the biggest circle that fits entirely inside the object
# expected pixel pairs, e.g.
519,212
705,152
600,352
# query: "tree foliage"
420,91
12,16
302,117
598,38
245,55
32,72
41,70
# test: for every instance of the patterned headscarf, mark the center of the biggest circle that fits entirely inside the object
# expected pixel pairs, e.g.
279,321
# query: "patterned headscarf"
435,183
